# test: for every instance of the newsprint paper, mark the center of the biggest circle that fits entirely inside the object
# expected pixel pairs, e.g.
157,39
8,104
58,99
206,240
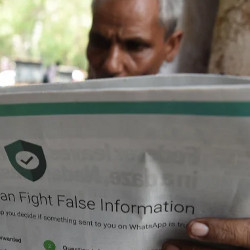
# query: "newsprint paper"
123,163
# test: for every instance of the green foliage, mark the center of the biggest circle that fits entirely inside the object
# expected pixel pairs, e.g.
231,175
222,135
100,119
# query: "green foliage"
47,30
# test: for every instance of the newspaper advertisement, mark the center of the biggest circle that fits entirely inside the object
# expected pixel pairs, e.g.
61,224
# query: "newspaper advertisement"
106,166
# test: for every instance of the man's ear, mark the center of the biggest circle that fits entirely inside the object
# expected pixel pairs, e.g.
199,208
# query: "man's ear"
172,45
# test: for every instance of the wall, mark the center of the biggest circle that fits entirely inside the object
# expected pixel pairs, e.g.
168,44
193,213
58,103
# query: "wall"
231,45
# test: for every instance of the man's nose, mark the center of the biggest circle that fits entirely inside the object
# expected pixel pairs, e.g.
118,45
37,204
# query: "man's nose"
113,64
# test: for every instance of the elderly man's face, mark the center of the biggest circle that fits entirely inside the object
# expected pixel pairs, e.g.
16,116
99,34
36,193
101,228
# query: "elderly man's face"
127,39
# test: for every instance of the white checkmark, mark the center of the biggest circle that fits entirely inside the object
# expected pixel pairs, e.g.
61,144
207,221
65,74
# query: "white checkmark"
27,160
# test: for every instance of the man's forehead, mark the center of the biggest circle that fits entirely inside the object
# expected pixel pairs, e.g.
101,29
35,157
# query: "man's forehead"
131,16
98,3
127,9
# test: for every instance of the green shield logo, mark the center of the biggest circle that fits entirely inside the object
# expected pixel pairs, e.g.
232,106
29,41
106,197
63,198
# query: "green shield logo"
28,159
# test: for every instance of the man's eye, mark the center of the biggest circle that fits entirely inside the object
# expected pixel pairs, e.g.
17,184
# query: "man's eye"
135,46
98,41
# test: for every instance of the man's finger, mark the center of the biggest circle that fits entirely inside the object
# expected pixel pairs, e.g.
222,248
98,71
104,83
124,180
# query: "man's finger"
184,245
233,232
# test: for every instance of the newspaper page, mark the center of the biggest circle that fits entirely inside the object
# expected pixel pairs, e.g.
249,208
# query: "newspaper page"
123,163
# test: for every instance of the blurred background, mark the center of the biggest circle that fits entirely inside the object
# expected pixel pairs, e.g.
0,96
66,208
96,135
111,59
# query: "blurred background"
44,41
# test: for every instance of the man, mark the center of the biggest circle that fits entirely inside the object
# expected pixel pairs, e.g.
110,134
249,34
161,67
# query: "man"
135,37
132,37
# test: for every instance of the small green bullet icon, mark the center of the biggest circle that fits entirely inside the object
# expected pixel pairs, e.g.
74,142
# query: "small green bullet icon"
30,155
49,245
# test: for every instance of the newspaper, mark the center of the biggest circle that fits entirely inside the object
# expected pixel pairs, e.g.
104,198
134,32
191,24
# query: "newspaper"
121,163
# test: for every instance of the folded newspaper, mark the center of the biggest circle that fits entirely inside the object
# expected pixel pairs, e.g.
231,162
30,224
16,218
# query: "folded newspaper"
121,163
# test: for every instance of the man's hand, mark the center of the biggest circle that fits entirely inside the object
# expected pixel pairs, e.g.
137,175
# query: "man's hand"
231,232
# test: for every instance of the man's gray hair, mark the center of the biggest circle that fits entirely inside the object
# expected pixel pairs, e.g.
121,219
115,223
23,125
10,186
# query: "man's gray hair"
169,13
